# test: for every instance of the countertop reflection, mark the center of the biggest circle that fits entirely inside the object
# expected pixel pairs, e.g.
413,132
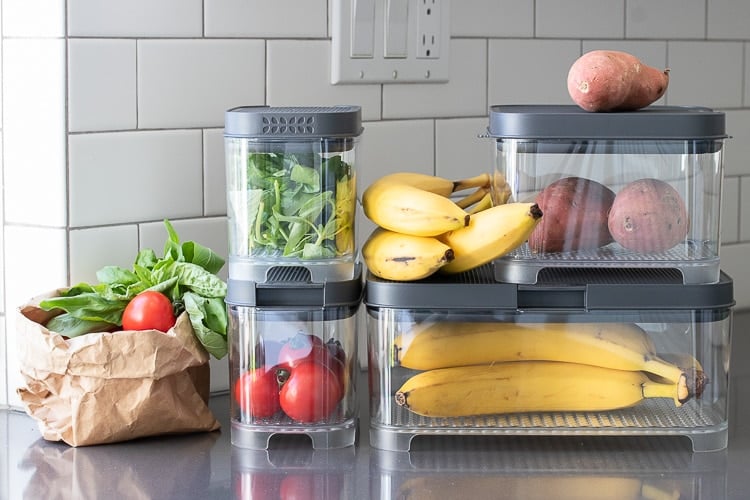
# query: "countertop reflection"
206,466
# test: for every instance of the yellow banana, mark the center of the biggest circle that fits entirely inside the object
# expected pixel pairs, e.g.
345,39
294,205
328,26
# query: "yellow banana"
402,257
527,386
490,234
436,184
407,209
483,204
620,346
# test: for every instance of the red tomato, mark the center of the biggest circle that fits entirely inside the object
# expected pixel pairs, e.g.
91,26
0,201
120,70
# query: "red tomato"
149,310
257,392
311,392
300,348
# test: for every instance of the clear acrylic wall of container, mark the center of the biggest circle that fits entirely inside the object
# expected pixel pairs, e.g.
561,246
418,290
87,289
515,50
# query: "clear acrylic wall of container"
291,190
680,323
627,153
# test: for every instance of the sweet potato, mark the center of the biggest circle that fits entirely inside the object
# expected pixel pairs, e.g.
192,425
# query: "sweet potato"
648,215
575,216
609,80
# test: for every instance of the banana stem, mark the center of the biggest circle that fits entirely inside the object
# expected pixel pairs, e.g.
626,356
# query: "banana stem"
482,180
472,198
690,382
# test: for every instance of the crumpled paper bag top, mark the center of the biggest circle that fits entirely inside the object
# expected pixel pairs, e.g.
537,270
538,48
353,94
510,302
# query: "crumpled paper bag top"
112,386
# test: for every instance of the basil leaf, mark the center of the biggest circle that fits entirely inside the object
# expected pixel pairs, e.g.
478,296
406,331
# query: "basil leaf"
68,325
199,311
88,306
198,280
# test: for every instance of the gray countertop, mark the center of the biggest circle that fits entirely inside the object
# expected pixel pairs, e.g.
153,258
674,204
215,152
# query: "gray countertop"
206,465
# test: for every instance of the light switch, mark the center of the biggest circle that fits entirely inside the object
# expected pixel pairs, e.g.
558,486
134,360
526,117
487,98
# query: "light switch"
363,28
396,27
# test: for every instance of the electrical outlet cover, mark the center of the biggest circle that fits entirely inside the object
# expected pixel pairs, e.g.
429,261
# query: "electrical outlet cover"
427,49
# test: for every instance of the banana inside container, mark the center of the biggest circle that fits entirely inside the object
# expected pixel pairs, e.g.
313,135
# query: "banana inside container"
481,368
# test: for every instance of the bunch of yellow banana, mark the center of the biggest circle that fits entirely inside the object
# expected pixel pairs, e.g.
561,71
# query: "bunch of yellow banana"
475,368
406,205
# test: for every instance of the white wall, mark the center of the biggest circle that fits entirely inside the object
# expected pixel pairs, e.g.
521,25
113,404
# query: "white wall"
112,112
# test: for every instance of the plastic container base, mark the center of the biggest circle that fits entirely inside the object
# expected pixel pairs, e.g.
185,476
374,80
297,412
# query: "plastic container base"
706,430
323,437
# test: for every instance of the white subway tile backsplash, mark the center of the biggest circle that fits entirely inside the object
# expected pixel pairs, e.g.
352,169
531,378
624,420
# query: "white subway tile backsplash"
730,210
101,84
3,371
33,18
492,18
92,249
734,263
395,146
665,19
266,19
465,94
694,66
728,19
299,74
737,149
460,152
190,83
123,177
39,257
573,18
214,173
131,18
34,131
530,71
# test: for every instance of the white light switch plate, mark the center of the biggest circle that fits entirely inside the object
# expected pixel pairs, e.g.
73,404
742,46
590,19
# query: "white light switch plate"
426,59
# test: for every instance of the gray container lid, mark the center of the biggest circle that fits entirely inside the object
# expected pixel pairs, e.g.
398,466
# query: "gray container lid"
290,288
577,290
572,122
295,123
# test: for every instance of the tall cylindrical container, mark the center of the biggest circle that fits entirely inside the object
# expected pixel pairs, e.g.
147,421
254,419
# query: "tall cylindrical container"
292,357
291,190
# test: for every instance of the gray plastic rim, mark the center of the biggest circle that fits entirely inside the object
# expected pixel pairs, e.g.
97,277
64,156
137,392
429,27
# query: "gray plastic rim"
572,122
295,123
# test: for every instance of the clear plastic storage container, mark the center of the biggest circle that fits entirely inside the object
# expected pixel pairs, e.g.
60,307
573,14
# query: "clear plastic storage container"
584,353
626,190
291,190
292,359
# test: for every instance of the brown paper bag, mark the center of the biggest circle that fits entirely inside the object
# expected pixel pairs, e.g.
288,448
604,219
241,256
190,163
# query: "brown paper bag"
109,387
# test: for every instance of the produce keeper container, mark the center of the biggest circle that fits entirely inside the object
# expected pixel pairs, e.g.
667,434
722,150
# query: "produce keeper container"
291,190
584,353
625,190
292,358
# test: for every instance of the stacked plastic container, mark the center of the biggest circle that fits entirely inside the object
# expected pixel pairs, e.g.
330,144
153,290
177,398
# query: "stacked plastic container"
631,251
294,284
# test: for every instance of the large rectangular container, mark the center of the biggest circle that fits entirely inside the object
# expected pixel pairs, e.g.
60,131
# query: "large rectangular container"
292,359
291,190
624,190
650,331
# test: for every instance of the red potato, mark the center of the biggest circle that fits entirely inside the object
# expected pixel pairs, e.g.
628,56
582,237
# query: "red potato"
609,80
648,215
575,216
